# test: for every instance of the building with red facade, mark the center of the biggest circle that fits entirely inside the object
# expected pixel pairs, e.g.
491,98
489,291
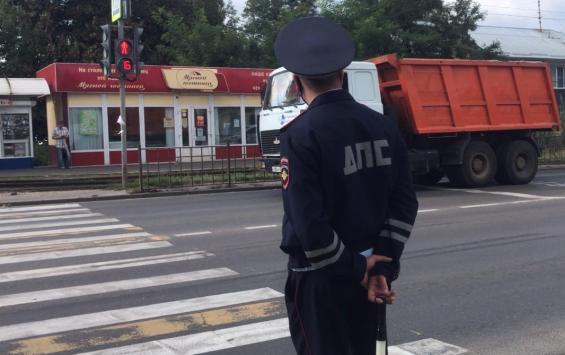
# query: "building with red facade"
167,107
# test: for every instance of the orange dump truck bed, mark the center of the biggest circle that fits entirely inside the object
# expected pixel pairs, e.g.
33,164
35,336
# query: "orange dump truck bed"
433,96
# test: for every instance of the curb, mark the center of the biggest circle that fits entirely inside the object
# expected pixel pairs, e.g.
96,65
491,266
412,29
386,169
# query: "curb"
551,166
144,195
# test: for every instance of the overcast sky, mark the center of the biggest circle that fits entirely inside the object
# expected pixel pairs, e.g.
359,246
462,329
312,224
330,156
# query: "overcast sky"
512,13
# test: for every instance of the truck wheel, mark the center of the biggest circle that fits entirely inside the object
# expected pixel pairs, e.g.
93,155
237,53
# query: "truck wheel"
518,163
478,168
430,178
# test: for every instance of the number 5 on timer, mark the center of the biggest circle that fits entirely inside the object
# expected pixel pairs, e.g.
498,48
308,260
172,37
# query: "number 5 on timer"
382,346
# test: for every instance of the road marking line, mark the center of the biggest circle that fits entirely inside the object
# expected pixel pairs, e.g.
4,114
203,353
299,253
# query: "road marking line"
432,346
39,208
262,227
394,350
62,224
116,316
79,245
71,240
501,193
512,202
41,213
429,210
483,205
146,329
15,259
100,266
112,286
192,234
38,219
205,342
57,232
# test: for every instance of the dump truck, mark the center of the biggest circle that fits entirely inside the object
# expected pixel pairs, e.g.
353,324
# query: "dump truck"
472,120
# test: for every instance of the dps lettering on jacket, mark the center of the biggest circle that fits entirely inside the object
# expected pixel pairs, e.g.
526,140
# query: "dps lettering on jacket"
372,158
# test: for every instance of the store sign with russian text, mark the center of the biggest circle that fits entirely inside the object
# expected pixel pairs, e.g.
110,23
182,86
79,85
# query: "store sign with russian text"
191,79
72,77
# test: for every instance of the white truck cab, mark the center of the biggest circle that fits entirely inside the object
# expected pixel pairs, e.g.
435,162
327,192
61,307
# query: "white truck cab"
282,103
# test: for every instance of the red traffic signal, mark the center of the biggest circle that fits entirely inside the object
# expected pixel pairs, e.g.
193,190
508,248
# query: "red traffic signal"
124,47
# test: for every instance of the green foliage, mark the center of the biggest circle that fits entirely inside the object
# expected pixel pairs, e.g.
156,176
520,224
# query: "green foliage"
411,28
34,34
41,153
264,18
201,41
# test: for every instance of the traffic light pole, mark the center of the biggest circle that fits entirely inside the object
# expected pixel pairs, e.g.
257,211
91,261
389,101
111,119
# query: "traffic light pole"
123,115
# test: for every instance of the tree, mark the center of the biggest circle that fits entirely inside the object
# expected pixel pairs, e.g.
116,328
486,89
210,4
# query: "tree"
207,37
264,18
415,28
15,38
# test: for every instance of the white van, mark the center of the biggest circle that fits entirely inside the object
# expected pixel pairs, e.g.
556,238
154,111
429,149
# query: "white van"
282,103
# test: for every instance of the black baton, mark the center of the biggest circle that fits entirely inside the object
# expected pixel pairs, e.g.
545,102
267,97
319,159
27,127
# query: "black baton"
382,346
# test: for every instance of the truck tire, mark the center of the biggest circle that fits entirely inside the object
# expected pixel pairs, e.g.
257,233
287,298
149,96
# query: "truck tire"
430,178
518,163
478,168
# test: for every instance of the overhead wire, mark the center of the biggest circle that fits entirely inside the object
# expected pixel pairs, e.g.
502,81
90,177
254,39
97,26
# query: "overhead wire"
520,8
524,16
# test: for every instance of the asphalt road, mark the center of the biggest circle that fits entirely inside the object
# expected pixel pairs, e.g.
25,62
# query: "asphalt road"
483,273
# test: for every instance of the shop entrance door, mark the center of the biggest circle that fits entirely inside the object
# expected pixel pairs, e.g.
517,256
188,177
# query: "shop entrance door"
200,126
196,134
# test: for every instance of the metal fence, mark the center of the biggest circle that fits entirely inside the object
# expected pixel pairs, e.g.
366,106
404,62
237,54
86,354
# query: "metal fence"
219,165
552,148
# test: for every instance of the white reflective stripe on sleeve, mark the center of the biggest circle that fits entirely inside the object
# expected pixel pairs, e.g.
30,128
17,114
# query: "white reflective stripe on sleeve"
322,251
393,235
399,224
325,262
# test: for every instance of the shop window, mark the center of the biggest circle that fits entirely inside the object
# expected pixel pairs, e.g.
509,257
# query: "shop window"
15,134
560,94
159,127
228,125
132,127
86,129
251,119
560,77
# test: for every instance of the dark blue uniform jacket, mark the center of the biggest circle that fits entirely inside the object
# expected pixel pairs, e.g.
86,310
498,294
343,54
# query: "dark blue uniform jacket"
346,188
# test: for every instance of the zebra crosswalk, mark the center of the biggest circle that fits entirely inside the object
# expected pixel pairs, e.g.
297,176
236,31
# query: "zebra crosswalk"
63,243
58,261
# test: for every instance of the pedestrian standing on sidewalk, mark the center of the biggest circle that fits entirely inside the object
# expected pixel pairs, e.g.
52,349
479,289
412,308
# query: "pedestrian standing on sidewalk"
61,135
349,204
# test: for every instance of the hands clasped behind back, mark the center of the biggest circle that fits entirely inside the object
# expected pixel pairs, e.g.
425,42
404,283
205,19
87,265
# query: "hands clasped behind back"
377,287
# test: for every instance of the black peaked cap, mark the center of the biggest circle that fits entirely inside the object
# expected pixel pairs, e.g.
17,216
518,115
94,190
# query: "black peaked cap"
314,47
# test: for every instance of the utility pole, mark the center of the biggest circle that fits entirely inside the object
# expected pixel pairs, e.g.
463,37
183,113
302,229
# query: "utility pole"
127,59
539,15
123,115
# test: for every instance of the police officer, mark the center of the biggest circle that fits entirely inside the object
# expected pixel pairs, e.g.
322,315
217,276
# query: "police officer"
349,204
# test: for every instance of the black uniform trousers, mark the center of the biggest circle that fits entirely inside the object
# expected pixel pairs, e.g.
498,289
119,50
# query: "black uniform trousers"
328,315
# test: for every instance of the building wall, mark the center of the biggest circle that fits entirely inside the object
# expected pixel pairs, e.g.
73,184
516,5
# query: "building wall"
154,121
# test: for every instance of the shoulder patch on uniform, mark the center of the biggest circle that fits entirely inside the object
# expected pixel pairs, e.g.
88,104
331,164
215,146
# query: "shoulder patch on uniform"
285,173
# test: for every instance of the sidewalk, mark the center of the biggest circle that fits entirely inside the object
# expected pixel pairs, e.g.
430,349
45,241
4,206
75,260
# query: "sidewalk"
46,172
82,171
83,195
43,197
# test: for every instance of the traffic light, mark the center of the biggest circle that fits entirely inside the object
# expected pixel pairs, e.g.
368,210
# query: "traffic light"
137,49
106,61
124,57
